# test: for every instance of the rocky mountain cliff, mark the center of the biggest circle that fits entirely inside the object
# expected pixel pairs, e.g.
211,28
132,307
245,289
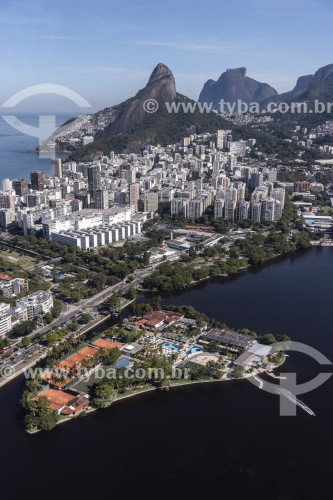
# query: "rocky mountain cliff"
232,85
118,119
127,127
308,88
321,85
161,87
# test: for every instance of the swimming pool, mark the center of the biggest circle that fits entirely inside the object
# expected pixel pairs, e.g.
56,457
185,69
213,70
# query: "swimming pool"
170,347
123,363
194,350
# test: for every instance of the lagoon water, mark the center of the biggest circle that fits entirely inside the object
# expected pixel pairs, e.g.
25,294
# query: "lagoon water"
219,440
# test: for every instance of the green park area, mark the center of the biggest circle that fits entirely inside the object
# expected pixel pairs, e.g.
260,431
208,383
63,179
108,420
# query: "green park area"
327,210
15,259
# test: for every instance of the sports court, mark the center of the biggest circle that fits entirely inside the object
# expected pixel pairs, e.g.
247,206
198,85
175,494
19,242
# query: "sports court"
77,358
57,398
107,344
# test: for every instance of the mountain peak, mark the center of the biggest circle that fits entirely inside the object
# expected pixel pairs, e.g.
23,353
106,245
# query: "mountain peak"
310,87
160,88
242,70
160,71
233,84
325,73
161,85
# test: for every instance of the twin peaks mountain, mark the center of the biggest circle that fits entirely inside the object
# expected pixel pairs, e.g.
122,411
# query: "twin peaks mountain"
161,87
127,127
232,85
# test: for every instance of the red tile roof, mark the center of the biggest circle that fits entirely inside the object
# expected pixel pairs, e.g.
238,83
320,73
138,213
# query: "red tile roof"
5,277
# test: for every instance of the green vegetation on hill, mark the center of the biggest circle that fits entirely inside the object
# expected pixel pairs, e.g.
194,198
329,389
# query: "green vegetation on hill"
168,128
157,128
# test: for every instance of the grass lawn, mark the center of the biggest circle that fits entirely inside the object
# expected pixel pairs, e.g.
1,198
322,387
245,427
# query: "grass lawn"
328,210
23,261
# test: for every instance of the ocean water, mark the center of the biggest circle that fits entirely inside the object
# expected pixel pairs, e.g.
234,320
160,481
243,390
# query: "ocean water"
18,156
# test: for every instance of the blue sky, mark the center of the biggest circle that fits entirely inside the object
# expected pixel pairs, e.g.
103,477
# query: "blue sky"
105,49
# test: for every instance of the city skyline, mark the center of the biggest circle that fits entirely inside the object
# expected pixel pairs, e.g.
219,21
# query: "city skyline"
106,52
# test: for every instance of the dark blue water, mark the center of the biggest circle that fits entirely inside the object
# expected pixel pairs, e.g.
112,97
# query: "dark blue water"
17,151
291,295
222,440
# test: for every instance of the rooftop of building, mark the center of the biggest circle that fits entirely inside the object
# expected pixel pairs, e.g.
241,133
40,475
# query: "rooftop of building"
5,277
155,318
132,348
229,337
41,295
245,359
92,212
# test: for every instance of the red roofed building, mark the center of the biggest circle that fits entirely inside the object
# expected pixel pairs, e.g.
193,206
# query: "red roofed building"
156,320
4,277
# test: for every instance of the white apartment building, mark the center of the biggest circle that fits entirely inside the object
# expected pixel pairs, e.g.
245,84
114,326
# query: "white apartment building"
37,304
218,208
179,206
243,210
97,236
268,209
5,319
87,219
256,211
279,194
13,287
195,208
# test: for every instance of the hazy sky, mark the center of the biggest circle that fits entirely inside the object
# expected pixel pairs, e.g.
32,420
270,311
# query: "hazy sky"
105,50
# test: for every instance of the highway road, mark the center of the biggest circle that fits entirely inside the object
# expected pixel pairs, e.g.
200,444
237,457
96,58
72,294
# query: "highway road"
23,358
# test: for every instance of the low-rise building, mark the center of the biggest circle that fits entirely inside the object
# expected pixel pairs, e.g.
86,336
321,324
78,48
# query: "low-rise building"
228,338
13,287
256,353
156,320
